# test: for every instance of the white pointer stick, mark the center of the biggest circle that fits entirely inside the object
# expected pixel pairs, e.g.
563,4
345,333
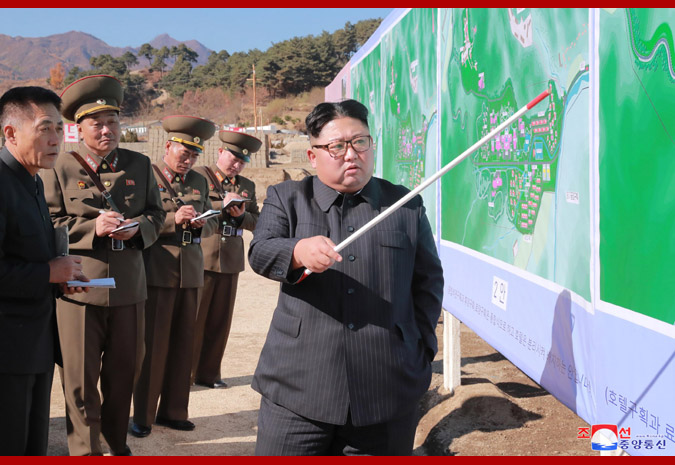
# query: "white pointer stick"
406,198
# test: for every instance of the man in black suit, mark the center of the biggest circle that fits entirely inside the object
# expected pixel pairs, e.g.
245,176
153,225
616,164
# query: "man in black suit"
32,128
348,354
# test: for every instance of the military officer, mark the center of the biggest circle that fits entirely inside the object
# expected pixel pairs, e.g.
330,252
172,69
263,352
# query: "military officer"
175,269
93,191
223,253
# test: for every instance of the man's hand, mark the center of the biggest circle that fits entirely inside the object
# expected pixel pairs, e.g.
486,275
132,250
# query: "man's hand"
66,268
127,233
106,222
198,223
234,211
185,214
316,253
72,290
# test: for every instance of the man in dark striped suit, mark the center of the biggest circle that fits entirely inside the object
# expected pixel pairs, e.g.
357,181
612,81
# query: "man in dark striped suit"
348,354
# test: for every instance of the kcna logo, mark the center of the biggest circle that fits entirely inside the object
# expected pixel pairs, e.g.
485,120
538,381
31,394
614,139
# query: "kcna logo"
603,437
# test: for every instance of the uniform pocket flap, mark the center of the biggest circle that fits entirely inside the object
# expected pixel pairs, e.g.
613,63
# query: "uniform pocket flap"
78,194
409,331
395,239
286,323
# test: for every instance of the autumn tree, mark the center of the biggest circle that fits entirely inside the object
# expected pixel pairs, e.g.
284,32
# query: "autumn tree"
56,76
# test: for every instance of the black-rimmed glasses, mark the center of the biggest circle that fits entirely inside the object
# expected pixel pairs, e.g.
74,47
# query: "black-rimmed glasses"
338,148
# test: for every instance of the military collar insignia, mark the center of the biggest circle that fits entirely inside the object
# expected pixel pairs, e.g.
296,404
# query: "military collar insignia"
91,162
112,163
172,178
220,177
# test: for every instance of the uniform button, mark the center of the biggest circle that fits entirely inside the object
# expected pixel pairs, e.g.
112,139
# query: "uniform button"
350,228
350,326
222,239
350,291
352,258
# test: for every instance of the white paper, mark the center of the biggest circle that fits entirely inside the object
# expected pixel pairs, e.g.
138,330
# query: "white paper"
124,227
236,202
207,214
97,283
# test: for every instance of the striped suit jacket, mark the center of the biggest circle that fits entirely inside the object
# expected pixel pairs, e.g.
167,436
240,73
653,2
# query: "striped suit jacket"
360,336
28,338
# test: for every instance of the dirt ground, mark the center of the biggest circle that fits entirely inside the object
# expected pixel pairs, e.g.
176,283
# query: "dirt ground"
497,410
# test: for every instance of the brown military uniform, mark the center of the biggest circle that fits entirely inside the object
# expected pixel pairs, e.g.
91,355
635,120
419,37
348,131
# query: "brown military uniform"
175,274
103,322
223,261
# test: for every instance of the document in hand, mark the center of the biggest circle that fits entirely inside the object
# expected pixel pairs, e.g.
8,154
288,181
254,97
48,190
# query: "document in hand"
235,202
125,227
206,215
101,283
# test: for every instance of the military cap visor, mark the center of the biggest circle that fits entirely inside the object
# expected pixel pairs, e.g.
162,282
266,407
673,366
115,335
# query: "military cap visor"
91,94
240,144
190,131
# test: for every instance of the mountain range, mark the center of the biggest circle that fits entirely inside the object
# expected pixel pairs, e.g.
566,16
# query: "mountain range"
32,57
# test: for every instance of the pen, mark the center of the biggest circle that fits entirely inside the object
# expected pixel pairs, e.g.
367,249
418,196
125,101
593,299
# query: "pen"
103,211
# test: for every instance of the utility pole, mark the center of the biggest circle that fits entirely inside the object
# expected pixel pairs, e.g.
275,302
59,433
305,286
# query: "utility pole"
255,111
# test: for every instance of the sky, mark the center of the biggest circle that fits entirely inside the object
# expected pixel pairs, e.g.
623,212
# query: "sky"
231,29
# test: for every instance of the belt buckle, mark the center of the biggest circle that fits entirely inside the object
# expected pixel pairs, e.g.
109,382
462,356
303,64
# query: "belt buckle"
229,230
186,238
117,245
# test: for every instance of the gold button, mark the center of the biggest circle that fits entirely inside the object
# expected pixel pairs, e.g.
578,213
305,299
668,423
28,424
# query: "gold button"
180,194
104,166
107,183
177,178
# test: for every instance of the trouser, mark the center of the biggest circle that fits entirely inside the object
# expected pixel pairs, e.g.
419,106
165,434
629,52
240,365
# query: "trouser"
106,343
282,432
24,413
214,320
169,337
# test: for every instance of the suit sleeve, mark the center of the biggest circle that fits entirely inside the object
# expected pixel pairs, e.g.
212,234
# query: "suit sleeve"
271,251
152,218
18,278
81,230
427,285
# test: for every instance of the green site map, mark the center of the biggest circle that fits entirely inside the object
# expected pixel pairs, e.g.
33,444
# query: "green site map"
523,198
400,74
637,160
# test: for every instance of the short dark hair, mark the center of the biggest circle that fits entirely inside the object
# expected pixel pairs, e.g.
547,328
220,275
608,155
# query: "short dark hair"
18,99
326,112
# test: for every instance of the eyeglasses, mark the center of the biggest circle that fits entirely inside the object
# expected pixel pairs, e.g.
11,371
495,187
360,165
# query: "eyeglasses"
338,149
